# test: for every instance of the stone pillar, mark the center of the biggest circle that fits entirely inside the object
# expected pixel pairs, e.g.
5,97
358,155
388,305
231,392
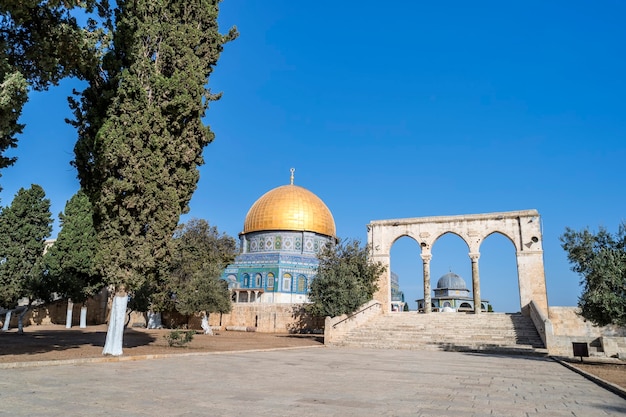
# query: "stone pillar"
384,285
532,281
426,265
249,295
475,281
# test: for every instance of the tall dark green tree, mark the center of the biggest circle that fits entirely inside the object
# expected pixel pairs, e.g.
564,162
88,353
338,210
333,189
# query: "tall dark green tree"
24,227
346,279
41,42
600,260
199,257
69,265
141,134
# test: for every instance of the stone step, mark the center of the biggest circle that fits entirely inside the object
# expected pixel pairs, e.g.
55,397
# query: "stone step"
512,333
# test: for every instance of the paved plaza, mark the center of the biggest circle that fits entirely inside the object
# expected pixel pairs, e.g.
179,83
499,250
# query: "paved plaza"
308,382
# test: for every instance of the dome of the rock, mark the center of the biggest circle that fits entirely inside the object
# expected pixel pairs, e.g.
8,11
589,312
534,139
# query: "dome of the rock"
290,207
283,232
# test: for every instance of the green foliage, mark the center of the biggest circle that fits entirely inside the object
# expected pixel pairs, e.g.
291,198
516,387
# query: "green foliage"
345,280
141,134
200,255
69,262
406,307
600,260
24,227
179,338
13,96
40,43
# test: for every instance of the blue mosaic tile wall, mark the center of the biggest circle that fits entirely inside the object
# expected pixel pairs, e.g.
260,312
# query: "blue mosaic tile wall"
276,261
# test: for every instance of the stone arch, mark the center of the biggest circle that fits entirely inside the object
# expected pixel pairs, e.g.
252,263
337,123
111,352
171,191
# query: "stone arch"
521,227
449,232
502,280
405,254
400,237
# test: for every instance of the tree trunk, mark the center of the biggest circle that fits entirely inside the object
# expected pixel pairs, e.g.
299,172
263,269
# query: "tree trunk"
20,318
115,331
68,314
205,324
154,320
83,317
7,321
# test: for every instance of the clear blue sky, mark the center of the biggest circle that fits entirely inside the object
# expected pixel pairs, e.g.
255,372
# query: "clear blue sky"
404,109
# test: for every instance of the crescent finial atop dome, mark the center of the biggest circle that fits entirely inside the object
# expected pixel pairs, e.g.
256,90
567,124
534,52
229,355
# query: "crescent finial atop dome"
292,170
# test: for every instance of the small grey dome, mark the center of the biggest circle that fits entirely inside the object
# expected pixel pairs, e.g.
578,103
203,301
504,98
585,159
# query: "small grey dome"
451,281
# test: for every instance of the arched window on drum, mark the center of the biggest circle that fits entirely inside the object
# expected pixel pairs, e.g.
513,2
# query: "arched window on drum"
287,282
301,284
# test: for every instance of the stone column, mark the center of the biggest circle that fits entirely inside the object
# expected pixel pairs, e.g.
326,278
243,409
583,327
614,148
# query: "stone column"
475,281
426,265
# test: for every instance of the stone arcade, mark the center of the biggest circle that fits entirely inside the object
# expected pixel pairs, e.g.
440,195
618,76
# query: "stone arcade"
521,227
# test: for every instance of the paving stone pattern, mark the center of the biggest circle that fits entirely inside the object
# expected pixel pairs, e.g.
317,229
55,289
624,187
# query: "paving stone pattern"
308,382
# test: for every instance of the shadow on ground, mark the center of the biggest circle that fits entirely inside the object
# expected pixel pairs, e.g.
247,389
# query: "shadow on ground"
44,341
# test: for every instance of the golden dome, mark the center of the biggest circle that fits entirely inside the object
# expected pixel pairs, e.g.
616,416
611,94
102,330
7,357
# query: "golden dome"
290,207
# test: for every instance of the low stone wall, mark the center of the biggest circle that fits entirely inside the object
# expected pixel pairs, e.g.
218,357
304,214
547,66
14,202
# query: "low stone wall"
568,327
264,318
56,312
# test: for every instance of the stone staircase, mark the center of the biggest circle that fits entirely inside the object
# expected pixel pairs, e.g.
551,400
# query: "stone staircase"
493,332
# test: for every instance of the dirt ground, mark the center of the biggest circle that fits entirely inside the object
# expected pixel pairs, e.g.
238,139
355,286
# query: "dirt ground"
614,372
55,342
45,343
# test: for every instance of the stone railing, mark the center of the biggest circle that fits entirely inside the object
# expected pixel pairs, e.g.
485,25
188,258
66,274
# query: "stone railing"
542,324
335,327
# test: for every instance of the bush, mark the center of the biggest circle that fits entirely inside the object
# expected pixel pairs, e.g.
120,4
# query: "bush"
179,338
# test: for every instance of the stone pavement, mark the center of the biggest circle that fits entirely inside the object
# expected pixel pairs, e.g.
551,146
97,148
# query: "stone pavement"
308,382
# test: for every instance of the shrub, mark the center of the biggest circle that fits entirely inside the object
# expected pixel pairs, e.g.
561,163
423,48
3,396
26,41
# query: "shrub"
179,338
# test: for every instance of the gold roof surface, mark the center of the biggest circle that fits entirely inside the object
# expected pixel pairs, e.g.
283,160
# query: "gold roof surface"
290,207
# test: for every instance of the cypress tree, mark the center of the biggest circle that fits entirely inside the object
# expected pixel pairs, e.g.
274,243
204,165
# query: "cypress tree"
141,134
24,227
69,262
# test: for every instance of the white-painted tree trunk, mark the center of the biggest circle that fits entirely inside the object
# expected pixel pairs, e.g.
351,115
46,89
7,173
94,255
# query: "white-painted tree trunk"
68,314
154,320
83,317
115,331
20,320
205,324
7,321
